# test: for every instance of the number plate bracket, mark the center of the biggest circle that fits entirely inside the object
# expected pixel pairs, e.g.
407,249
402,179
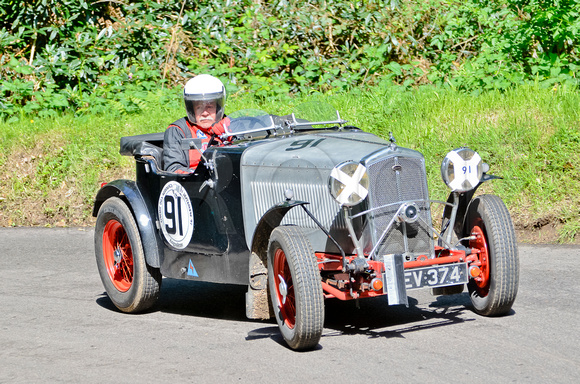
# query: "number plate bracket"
394,280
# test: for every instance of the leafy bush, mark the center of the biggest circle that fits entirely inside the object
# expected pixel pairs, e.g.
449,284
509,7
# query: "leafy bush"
93,57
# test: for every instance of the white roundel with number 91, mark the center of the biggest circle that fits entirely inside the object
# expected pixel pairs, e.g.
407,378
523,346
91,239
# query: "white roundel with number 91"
462,169
175,215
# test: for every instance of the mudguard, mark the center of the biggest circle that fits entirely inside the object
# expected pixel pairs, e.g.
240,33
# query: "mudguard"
270,220
143,213
258,305
464,200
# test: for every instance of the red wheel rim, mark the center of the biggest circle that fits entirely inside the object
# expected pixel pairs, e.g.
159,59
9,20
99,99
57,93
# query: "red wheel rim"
118,255
283,280
480,244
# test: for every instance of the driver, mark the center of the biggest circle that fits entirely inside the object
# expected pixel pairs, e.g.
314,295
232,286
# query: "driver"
204,97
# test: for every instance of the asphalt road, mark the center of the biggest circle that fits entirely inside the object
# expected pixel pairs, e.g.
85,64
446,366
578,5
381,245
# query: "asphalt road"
57,325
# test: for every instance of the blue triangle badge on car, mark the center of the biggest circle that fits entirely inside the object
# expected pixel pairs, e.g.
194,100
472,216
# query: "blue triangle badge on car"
191,270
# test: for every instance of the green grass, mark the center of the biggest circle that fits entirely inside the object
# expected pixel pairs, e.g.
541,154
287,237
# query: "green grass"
529,136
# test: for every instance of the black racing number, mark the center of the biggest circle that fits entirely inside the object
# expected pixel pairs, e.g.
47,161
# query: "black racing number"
301,144
173,214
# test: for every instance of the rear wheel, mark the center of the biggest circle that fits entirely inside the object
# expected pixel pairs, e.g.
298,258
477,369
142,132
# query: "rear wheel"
131,284
490,227
295,288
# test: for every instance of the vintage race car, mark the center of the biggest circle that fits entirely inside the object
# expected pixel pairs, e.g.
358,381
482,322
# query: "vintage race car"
303,208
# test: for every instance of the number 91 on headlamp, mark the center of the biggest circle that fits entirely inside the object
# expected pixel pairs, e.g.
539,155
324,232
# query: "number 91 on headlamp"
462,169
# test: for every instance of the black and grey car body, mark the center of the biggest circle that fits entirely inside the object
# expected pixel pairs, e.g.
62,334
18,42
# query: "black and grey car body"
266,210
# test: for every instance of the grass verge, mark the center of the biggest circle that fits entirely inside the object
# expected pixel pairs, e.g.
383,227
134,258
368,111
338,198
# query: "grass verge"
51,169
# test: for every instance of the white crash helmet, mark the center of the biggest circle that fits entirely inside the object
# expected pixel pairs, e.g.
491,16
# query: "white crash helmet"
204,87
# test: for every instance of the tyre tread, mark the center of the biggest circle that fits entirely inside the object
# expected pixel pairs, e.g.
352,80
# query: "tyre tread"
308,329
502,243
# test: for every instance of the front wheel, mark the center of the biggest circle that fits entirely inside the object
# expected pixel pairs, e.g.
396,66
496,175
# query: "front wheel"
295,288
492,236
132,285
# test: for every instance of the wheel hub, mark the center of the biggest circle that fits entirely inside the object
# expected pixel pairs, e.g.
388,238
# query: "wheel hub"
118,255
479,243
283,289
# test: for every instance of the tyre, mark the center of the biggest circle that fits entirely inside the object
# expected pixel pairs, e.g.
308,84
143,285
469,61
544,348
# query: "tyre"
295,288
490,227
132,285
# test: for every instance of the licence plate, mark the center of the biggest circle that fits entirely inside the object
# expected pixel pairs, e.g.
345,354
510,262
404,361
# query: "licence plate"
436,276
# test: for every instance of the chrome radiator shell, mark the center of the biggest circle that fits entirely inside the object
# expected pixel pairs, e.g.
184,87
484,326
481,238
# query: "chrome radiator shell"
397,175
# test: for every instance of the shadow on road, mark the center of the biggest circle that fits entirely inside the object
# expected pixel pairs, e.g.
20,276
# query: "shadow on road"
375,318
372,316
195,298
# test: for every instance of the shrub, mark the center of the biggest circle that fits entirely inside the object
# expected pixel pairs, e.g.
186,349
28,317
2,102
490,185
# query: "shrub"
101,56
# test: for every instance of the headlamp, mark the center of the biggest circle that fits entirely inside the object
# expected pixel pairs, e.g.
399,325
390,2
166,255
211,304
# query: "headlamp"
349,183
462,169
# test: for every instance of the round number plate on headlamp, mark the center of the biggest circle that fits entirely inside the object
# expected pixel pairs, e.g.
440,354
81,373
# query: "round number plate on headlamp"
349,183
462,169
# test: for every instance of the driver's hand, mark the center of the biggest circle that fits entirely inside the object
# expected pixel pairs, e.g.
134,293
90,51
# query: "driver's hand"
220,128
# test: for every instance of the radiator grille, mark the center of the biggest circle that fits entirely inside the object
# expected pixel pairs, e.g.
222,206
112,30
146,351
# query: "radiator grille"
394,180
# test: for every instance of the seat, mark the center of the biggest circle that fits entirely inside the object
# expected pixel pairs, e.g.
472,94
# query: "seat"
150,144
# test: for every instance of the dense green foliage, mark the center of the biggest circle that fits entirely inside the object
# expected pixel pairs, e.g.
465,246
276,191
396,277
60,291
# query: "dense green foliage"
111,56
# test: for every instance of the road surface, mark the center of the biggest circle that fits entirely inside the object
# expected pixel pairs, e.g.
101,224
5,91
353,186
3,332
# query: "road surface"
58,325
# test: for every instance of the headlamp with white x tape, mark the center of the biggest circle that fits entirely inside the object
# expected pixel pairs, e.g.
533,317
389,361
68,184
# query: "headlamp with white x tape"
349,183
462,169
